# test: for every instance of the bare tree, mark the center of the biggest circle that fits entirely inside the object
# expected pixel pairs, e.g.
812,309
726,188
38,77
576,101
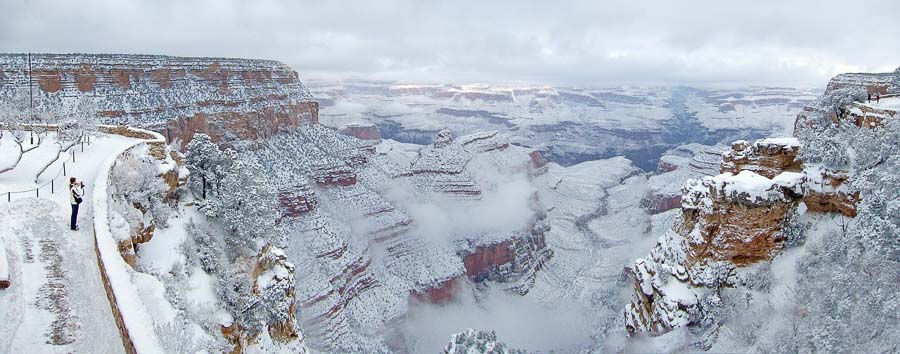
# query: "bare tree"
78,122
13,118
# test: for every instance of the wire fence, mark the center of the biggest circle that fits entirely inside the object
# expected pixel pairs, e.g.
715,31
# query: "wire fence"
62,171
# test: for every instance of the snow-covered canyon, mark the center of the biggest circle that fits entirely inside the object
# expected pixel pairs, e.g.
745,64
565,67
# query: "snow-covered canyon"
401,217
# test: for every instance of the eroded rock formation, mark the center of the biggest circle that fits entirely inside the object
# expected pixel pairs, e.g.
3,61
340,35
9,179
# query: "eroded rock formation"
274,284
727,222
766,157
827,192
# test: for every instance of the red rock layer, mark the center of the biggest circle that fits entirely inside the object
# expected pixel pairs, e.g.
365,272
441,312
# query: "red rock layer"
660,203
364,132
441,293
296,201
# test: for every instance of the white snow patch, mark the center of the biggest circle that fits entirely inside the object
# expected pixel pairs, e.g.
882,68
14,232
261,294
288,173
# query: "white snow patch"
790,142
161,254
152,292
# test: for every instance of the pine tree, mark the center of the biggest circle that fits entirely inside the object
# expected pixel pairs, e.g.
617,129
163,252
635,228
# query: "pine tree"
246,204
205,162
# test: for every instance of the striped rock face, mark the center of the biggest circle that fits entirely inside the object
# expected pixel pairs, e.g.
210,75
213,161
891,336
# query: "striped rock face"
232,100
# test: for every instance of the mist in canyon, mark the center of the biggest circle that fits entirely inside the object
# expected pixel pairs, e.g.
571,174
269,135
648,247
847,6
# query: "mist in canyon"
407,177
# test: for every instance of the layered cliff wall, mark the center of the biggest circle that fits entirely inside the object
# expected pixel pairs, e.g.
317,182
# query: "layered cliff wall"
229,99
881,83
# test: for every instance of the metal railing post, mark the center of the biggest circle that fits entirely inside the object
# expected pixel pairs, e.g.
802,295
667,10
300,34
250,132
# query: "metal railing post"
73,156
52,186
64,168
8,196
37,192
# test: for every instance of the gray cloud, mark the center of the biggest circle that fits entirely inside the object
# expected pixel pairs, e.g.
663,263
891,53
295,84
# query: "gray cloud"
792,42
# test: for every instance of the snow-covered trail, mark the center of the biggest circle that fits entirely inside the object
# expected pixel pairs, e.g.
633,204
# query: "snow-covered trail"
57,302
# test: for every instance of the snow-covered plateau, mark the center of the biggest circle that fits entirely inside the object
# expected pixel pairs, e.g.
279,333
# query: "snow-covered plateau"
441,217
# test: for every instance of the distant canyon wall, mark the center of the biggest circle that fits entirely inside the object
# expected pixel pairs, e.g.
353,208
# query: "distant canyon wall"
229,99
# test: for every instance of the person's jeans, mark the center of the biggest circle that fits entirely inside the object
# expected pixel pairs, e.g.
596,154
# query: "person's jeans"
74,216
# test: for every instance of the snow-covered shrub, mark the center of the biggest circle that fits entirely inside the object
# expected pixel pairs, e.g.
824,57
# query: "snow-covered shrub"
825,146
202,248
713,274
834,100
847,281
713,310
758,277
233,289
122,213
794,229
135,182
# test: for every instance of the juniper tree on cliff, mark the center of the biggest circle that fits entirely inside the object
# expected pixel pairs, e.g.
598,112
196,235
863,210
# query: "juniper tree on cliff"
245,203
206,163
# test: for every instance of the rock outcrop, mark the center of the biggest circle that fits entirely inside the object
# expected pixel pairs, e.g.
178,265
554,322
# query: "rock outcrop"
229,99
727,222
872,115
441,168
274,284
766,157
660,203
362,131
442,293
676,166
827,192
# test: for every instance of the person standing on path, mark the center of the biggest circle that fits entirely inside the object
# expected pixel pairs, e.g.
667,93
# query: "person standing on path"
76,194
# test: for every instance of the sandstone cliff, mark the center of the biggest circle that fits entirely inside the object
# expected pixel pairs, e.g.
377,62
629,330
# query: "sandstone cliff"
228,99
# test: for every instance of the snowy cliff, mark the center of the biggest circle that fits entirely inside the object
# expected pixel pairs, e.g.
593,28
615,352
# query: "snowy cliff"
761,253
228,99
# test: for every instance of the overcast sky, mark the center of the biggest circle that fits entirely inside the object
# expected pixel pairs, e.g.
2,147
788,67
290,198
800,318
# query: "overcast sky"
549,41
